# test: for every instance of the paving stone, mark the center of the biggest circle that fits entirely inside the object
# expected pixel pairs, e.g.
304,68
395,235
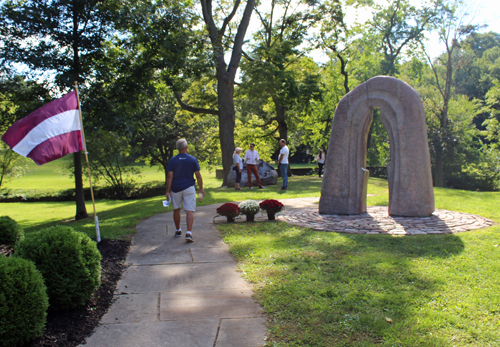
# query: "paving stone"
376,220
195,333
210,304
211,254
177,277
135,308
243,332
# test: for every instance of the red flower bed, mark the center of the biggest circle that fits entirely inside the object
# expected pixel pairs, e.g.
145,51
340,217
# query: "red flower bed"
228,210
271,206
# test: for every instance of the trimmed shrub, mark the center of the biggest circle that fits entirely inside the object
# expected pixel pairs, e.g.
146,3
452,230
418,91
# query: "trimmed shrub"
23,301
69,262
10,231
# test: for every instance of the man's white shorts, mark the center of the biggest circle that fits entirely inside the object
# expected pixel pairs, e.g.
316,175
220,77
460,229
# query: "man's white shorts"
186,197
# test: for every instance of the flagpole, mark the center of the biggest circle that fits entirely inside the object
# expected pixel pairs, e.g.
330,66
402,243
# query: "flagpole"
96,219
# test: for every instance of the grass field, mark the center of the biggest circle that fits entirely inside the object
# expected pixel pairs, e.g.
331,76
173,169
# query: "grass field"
331,289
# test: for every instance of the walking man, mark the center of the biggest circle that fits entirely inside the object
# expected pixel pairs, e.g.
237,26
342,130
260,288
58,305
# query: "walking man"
283,163
181,187
251,158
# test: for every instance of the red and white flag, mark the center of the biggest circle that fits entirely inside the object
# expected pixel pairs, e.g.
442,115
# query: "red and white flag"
49,133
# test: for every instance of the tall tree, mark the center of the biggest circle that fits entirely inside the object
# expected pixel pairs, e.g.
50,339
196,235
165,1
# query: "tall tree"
453,26
64,38
397,25
225,73
279,54
478,64
336,36
218,26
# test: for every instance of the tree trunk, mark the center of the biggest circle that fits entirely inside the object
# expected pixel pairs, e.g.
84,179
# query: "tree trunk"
225,91
225,74
81,210
281,119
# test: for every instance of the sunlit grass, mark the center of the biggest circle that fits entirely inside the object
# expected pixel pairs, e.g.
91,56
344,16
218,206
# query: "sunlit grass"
332,289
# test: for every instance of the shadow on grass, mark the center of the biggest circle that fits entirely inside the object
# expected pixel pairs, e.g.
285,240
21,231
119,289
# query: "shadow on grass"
331,289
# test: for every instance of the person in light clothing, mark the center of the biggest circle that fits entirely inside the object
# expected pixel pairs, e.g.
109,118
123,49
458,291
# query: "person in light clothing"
283,163
181,187
251,159
238,165
320,158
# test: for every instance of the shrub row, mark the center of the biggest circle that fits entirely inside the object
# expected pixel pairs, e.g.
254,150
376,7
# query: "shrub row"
134,192
54,268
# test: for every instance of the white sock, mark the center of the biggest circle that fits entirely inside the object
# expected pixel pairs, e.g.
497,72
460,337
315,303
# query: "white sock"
188,232
179,230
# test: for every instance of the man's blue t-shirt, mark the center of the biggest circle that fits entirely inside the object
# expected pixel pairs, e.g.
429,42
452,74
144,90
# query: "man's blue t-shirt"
183,167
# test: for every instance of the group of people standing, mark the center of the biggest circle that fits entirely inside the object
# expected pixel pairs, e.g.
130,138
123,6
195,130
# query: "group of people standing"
251,159
183,168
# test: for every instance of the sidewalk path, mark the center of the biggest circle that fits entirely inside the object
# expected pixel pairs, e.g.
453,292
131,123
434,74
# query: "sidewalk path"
181,294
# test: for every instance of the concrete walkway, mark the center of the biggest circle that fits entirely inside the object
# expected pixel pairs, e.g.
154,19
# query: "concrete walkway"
181,294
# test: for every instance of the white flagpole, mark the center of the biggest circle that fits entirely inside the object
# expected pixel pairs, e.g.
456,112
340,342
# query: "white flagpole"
96,219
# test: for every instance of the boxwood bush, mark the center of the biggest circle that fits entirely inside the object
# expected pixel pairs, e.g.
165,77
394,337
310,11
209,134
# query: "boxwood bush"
23,301
69,262
10,231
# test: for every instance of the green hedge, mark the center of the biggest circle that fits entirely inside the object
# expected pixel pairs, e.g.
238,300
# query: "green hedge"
69,262
10,231
23,301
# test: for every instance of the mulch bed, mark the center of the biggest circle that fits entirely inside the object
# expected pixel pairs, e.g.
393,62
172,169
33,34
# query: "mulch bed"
69,328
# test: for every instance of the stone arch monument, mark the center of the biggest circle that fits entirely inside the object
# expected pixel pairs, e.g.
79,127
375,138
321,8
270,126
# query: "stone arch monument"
409,173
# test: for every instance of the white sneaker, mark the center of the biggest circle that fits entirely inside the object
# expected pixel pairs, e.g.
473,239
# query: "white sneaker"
251,187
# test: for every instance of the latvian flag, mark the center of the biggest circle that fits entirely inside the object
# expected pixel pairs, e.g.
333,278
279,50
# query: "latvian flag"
49,133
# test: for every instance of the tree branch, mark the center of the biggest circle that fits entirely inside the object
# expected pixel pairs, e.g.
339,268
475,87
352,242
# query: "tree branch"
184,106
230,17
238,40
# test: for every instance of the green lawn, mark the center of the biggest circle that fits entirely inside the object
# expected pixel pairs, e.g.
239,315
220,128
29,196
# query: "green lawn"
331,289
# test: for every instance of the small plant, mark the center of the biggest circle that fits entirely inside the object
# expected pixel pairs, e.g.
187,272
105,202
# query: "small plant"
69,262
23,301
271,206
10,231
249,207
228,210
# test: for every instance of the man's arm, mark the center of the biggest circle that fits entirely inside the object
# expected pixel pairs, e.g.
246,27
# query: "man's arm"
170,175
200,182
280,158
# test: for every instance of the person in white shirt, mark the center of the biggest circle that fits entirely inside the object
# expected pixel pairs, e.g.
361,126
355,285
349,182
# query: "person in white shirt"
238,164
320,158
283,163
251,158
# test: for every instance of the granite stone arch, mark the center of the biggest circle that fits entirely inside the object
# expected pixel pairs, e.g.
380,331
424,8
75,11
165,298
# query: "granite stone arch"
409,173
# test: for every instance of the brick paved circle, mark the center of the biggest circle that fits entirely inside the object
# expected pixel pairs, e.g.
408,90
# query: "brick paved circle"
377,221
